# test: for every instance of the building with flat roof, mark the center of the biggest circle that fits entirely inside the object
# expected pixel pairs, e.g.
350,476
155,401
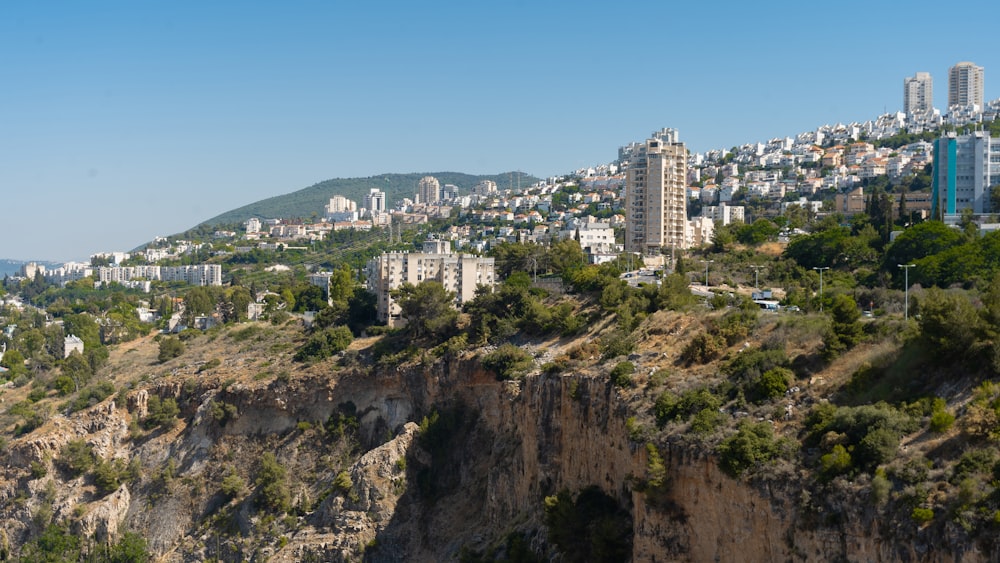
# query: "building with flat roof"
918,93
965,85
461,273
965,166
428,190
655,190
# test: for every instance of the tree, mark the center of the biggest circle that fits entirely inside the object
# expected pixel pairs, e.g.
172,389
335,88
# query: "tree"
273,485
845,325
428,309
198,302
566,256
170,347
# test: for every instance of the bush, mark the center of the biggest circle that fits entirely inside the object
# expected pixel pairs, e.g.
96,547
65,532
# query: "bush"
161,412
170,347
274,494
508,362
325,343
233,485
922,515
616,343
772,384
670,407
76,457
941,419
707,421
753,445
621,375
837,462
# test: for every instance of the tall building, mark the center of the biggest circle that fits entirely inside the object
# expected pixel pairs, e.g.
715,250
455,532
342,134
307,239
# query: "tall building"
965,85
461,273
375,201
655,190
918,94
428,190
965,166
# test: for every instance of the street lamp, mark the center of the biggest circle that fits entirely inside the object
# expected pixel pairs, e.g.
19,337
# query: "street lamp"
756,276
706,263
821,284
906,289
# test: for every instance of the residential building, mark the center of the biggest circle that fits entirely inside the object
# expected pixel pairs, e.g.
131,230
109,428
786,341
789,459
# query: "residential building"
918,93
428,190
965,166
725,214
461,273
655,190
485,188
375,202
252,225
72,344
850,203
965,85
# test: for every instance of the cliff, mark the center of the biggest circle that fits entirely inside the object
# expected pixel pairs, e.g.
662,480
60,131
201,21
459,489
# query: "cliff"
425,461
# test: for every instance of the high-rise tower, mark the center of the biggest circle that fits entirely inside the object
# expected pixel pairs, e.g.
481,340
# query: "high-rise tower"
428,190
965,85
918,93
655,195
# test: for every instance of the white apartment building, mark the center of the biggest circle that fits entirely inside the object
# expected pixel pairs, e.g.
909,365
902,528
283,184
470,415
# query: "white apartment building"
655,190
375,202
428,190
252,225
918,93
204,274
724,213
965,85
461,273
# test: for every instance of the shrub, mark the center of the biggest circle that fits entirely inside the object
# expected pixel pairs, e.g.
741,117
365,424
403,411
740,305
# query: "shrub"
837,462
922,515
707,421
941,419
325,343
772,384
508,362
170,347
616,343
621,374
751,446
233,485
161,412
703,348
76,457
670,407
881,487
273,486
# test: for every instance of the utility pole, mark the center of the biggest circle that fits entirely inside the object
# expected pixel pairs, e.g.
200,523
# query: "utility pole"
706,263
821,285
906,289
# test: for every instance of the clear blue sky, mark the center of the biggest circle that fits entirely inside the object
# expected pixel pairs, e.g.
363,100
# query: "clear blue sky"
120,121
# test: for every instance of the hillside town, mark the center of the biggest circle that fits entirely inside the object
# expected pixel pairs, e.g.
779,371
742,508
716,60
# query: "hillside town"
655,199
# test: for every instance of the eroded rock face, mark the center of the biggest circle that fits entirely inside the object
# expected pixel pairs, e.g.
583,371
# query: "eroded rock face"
517,443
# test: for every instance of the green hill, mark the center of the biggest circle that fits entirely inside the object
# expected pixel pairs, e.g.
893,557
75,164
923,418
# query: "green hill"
305,202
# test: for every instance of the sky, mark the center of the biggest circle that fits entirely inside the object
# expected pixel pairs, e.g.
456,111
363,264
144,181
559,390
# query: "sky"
122,121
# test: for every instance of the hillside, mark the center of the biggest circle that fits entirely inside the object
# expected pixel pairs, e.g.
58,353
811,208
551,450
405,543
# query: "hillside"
307,201
428,455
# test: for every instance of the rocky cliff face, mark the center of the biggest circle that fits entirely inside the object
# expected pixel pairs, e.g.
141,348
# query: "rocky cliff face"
395,497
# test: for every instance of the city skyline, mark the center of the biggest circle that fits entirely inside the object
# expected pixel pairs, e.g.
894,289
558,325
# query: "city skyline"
123,122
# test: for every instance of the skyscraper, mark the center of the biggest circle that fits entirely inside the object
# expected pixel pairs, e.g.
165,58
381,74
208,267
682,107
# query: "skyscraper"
918,93
428,190
655,195
965,85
